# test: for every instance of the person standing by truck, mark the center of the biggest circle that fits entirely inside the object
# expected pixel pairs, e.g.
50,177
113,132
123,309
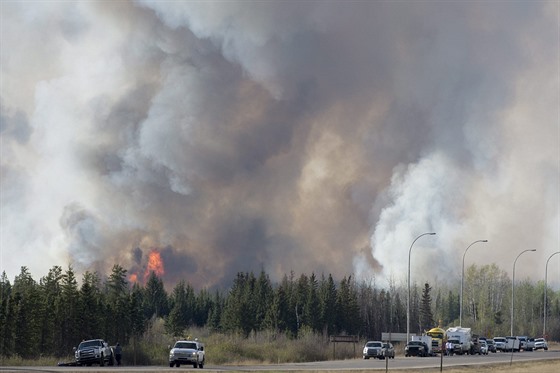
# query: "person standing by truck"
118,353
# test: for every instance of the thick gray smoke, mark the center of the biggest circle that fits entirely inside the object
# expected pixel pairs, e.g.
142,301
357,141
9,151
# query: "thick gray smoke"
286,136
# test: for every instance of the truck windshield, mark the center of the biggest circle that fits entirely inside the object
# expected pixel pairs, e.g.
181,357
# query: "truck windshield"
185,345
89,344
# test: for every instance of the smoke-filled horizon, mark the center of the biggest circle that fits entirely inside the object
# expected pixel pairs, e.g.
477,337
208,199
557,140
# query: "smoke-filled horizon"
323,137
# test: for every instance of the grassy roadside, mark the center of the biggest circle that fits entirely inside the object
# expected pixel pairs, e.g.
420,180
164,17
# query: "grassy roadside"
258,349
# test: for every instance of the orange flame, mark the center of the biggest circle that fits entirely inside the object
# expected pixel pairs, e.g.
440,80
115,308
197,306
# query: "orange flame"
133,278
155,264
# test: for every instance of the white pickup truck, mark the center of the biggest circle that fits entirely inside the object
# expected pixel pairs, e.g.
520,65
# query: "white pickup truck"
94,351
187,352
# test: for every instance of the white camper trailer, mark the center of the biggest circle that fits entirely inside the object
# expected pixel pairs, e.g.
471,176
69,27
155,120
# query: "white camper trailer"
464,336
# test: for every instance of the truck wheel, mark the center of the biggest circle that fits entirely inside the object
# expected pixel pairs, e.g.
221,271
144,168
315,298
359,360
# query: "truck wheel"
171,365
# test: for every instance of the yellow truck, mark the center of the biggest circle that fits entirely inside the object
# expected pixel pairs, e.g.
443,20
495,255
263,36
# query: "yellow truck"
438,339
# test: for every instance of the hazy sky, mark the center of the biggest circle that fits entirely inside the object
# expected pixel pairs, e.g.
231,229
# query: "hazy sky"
305,136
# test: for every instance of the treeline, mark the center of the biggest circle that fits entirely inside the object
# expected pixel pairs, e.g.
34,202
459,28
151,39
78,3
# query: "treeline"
53,315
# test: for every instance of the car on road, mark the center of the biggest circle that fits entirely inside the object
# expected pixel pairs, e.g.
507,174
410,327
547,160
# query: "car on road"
187,352
416,348
93,351
540,343
524,343
373,349
483,347
491,345
388,351
500,343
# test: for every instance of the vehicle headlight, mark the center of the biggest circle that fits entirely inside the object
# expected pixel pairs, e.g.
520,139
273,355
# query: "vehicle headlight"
194,353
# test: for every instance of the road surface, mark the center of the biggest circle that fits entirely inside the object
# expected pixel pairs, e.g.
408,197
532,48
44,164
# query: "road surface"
399,362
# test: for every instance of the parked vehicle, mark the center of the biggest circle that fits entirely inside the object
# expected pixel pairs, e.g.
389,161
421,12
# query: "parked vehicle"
475,345
523,342
438,335
483,347
93,351
373,349
187,352
453,346
491,345
416,348
388,351
540,343
512,344
429,341
464,336
500,343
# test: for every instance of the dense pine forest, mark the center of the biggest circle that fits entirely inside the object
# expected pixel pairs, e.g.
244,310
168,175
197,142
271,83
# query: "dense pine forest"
57,312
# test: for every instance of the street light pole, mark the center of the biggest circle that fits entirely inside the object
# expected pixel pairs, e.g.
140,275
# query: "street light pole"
408,301
462,276
545,286
512,287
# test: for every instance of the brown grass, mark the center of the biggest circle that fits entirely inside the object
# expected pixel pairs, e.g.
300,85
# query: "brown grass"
547,366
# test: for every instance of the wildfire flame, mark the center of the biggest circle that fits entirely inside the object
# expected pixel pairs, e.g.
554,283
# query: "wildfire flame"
155,264
133,278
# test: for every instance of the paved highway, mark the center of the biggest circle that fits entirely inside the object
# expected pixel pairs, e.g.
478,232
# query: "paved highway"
336,365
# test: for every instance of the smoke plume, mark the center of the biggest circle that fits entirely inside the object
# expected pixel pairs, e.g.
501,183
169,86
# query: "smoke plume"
229,136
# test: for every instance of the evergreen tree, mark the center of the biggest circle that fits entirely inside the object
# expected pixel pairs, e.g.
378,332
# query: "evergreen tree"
69,311
181,311
348,311
312,310
118,309
291,316
6,317
263,298
238,315
327,305
51,320
370,310
215,312
156,302
452,308
426,314
138,322
278,312
202,307
90,306
27,315
300,297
